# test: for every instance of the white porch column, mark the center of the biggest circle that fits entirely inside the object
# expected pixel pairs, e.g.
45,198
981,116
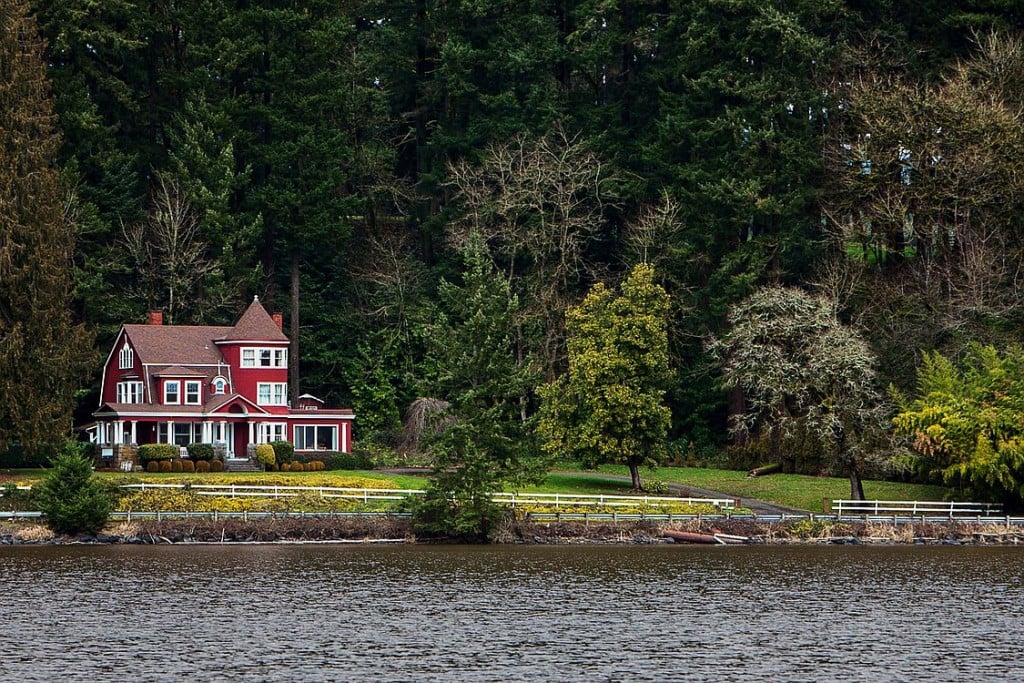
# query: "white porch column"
118,432
205,432
135,435
252,432
344,436
170,431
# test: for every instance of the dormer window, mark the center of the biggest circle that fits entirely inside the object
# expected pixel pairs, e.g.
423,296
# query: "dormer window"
220,385
193,393
126,357
172,392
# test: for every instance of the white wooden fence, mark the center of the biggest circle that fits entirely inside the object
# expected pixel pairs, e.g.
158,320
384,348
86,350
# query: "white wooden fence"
913,508
551,499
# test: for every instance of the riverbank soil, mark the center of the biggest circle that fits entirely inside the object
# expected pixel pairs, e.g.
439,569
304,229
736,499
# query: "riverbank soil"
400,530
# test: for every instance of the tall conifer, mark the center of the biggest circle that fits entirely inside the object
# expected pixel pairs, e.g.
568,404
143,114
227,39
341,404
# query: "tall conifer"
42,353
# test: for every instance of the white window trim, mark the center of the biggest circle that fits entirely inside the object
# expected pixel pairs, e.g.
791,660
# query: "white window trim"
177,386
220,386
278,357
198,386
272,431
127,390
126,357
277,393
304,447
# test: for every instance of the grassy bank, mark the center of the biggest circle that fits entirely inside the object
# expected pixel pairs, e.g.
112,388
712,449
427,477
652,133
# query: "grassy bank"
791,490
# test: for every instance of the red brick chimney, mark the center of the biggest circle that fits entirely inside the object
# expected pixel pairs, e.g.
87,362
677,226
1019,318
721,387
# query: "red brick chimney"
278,320
155,318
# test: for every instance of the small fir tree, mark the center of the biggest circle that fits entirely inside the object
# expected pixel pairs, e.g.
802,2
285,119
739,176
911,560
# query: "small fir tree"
71,500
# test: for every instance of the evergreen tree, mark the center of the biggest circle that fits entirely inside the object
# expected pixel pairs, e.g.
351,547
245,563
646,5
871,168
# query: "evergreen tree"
610,406
485,443
71,500
43,353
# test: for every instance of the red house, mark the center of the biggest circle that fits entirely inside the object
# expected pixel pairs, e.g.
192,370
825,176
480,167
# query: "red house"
226,386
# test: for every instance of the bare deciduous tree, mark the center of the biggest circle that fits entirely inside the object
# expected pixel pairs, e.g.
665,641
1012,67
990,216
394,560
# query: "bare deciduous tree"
540,205
167,254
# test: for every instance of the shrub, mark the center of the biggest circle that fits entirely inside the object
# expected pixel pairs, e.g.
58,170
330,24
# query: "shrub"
188,466
200,451
216,465
165,466
349,461
71,500
283,450
153,466
176,466
203,466
158,451
265,454
316,465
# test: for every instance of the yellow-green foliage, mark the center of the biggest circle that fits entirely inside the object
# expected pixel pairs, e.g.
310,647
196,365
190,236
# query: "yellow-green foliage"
967,422
659,509
189,501
265,454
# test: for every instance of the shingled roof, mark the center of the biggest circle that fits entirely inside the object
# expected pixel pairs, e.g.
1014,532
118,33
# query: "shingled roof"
255,325
176,344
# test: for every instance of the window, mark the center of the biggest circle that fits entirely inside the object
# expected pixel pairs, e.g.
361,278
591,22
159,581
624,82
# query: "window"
272,431
126,357
219,385
172,392
272,394
264,358
316,437
193,393
182,433
129,392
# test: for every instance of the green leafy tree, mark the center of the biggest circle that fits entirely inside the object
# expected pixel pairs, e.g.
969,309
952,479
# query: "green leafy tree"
801,370
71,500
610,407
43,353
485,444
965,422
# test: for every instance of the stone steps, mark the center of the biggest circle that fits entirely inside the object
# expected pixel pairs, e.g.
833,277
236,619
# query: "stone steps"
232,465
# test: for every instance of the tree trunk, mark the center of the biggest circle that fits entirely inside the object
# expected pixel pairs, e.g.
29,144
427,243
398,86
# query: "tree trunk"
856,485
634,473
293,352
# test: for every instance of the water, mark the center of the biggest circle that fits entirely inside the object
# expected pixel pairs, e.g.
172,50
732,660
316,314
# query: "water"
543,613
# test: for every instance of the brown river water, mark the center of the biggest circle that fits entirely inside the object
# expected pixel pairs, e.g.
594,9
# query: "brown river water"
525,613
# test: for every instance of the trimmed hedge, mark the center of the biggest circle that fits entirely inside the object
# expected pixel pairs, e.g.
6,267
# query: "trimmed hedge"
158,451
200,451
283,451
348,461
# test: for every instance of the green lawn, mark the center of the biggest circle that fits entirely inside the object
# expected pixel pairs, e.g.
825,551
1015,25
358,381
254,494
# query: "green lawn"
792,490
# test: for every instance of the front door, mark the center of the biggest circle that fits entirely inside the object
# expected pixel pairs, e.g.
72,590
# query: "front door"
239,440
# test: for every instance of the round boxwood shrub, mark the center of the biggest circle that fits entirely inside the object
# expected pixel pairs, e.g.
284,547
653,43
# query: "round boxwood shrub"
153,466
188,466
158,451
265,454
200,451
165,466
216,465
176,466
203,466
284,451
